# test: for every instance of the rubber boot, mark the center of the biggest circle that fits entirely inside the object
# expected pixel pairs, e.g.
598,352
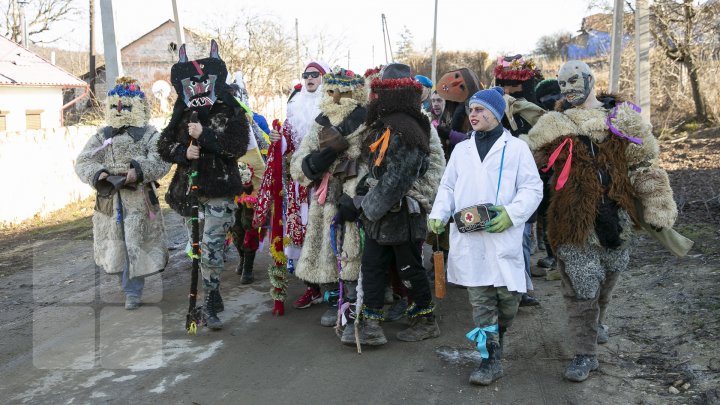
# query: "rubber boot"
491,368
247,272
212,298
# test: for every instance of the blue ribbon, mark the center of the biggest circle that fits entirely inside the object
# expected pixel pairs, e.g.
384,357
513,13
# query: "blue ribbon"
479,335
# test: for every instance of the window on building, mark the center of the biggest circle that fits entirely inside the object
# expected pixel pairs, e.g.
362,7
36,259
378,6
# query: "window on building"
32,119
3,120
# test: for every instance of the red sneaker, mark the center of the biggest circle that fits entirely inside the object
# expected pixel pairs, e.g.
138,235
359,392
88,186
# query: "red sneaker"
311,296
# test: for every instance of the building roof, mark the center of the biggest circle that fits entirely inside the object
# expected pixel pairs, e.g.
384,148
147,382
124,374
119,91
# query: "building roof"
21,67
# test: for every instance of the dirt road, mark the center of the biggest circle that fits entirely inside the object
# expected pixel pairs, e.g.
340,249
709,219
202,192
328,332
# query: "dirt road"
66,338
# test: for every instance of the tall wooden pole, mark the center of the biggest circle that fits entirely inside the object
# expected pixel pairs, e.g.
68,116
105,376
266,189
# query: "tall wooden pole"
113,62
642,55
91,55
433,74
297,44
616,46
179,29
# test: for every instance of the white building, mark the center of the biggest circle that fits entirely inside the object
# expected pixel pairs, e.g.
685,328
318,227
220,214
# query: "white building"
31,89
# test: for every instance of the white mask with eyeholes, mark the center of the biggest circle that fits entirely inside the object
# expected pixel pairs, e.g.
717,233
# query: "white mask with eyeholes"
576,81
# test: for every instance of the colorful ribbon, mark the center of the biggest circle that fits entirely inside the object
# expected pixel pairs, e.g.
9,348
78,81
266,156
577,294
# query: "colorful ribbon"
104,145
565,173
321,192
479,335
616,131
385,141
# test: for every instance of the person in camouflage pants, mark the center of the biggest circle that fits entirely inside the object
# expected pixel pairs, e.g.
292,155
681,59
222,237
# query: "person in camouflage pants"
206,135
216,220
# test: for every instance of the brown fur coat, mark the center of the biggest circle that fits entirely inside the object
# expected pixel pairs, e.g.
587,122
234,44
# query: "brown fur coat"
634,169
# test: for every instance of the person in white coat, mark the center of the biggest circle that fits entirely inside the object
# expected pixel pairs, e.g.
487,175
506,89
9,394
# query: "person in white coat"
491,167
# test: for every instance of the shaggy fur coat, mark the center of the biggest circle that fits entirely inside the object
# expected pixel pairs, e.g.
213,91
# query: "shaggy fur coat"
142,238
317,263
224,139
646,181
406,170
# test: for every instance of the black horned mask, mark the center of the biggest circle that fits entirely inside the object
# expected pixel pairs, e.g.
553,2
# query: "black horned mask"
198,82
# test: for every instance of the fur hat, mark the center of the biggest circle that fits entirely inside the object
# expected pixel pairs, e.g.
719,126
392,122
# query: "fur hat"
492,99
343,80
547,93
395,78
514,70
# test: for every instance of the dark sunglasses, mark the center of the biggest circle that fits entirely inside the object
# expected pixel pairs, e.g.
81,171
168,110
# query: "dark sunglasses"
308,75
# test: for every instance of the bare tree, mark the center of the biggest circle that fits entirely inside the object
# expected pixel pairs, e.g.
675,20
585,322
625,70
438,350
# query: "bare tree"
321,46
553,46
40,16
405,46
679,27
263,51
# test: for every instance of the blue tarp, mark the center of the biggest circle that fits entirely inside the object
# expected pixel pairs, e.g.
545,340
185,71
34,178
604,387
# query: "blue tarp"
598,44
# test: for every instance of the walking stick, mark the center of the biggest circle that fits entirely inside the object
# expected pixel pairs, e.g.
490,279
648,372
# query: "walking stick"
194,315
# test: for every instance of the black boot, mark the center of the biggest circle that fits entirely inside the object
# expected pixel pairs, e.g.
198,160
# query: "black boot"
239,268
219,304
210,310
580,367
491,368
247,272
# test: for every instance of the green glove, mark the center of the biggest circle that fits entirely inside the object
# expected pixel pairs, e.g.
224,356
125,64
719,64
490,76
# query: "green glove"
501,222
436,225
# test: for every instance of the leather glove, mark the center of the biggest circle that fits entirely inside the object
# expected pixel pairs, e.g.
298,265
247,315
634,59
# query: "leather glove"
319,162
501,222
347,212
436,225
330,137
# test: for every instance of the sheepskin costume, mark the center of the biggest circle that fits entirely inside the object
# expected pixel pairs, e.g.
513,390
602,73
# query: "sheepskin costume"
128,222
574,219
317,263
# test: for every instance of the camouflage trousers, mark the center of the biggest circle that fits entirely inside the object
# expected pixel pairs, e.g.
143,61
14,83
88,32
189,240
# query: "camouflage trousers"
216,217
493,305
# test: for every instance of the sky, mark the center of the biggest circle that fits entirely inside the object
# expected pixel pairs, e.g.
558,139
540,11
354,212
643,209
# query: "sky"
498,27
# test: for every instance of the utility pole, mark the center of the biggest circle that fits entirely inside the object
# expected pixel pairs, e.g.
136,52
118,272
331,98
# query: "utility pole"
616,46
642,57
113,63
384,38
23,24
348,64
297,44
179,29
91,56
433,75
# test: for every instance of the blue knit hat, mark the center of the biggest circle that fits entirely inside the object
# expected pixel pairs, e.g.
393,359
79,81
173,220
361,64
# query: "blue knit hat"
425,81
492,99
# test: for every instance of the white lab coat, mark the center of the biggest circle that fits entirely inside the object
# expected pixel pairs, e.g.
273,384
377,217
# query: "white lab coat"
481,258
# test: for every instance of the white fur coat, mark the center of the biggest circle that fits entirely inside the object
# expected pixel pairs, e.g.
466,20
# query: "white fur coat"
141,240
